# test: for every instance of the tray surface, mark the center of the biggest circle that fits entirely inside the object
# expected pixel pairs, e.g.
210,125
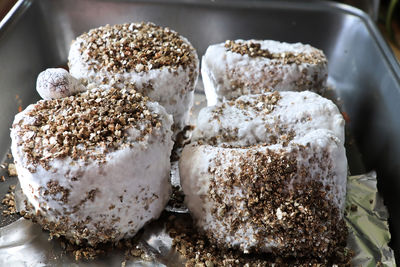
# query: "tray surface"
362,69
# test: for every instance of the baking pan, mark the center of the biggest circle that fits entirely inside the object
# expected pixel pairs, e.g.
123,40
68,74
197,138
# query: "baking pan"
362,68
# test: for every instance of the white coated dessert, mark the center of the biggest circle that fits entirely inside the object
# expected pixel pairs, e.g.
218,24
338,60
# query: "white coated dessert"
268,173
235,68
56,83
86,163
161,64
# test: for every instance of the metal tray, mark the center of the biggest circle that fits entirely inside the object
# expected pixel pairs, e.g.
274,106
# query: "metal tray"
37,34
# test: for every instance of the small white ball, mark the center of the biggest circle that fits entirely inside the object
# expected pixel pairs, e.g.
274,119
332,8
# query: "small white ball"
56,83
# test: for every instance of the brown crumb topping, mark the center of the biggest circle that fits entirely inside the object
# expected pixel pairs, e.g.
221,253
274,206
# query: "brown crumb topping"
303,221
267,101
12,171
128,246
263,105
135,47
254,50
80,236
9,201
85,126
56,191
198,250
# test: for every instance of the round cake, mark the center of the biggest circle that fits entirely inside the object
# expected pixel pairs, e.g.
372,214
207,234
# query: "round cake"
161,64
235,68
267,173
86,163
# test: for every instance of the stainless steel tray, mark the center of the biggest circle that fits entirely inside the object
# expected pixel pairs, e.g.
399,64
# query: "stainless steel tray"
362,68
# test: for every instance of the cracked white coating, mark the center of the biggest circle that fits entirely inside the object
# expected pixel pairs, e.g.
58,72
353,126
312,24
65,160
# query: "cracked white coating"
56,83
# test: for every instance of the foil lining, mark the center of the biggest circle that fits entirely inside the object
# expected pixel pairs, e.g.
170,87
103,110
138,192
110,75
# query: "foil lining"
23,243
366,217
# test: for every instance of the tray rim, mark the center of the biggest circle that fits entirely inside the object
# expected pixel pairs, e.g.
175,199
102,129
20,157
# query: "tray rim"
13,15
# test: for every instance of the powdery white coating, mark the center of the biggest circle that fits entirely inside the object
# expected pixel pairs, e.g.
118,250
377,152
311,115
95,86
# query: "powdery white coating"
228,75
110,200
300,112
301,124
196,161
173,88
56,83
